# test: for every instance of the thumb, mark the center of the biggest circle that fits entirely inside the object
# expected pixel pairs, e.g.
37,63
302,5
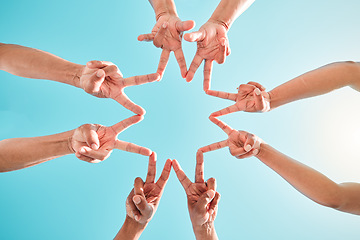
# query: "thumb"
185,25
206,198
194,36
93,84
143,207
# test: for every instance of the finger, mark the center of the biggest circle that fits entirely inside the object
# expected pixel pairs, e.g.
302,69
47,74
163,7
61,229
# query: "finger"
214,146
211,183
246,88
128,104
93,84
249,143
220,57
259,101
228,50
199,170
207,74
237,151
224,95
160,35
205,199
195,36
131,207
139,187
85,158
193,67
179,55
100,155
164,58
112,71
185,25
124,124
142,79
246,155
146,37
226,128
143,207
150,177
96,64
214,203
90,135
164,177
258,85
227,110
130,147
184,180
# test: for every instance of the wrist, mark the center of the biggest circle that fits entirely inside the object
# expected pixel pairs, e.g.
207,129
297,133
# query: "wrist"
164,7
205,231
220,22
75,74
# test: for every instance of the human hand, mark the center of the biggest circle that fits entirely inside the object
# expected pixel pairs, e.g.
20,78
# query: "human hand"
212,44
94,143
104,79
202,196
144,198
241,144
251,97
167,34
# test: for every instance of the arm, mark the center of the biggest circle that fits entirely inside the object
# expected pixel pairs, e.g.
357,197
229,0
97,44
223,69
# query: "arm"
18,153
130,230
33,63
314,185
162,7
317,82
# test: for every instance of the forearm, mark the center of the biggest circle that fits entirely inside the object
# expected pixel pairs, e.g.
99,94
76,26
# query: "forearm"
228,10
306,180
18,153
205,232
33,63
317,82
131,230
162,7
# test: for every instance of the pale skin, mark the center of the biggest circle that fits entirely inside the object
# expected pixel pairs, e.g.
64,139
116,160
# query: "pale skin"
202,199
90,142
167,34
252,96
143,201
98,78
212,40
344,197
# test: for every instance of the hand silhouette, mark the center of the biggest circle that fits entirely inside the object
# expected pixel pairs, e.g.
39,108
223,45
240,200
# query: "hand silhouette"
241,144
144,198
94,143
212,44
104,79
167,34
251,97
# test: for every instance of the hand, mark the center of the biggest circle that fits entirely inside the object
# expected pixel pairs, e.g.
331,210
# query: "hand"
167,34
212,44
144,198
94,143
241,144
104,79
202,196
251,97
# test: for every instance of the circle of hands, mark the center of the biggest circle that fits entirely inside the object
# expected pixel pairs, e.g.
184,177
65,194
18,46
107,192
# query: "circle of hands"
94,143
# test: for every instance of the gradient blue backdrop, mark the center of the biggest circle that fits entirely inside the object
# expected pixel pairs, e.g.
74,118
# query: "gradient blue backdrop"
272,42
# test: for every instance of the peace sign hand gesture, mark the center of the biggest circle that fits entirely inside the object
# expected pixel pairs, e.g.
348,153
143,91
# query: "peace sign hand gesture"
251,97
104,79
94,143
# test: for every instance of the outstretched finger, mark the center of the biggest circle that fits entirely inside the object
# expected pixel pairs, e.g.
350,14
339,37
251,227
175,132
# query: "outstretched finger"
160,35
128,104
214,146
164,58
207,74
146,37
124,124
164,177
185,25
130,147
179,55
227,110
142,79
195,64
223,95
150,177
184,180
226,128
199,170
195,36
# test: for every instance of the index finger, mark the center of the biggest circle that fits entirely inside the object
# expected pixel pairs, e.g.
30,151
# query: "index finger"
179,55
226,128
184,180
150,177
130,147
124,124
223,95
142,79
128,104
161,182
193,67
214,146
207,74
199,170
164,58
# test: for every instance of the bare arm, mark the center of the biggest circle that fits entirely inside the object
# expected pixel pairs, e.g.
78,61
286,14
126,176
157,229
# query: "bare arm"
314,185
163,7
130,230
317,82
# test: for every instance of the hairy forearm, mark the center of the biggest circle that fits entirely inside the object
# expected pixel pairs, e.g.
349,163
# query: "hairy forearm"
163,7
205,232
131,230
317,82
34,63
228,10
18,153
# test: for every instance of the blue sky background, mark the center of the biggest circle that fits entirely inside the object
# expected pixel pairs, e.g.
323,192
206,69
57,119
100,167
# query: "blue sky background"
272,42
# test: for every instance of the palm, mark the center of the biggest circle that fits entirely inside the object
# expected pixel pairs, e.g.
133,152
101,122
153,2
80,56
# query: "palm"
152,193
171,39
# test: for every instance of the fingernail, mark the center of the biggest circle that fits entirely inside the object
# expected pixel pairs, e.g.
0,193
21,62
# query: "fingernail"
247,148
82,150
164,25
90,63
99,73
211,211
257,91
256,152
95,161
94,146
210,194
137,218
137,199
